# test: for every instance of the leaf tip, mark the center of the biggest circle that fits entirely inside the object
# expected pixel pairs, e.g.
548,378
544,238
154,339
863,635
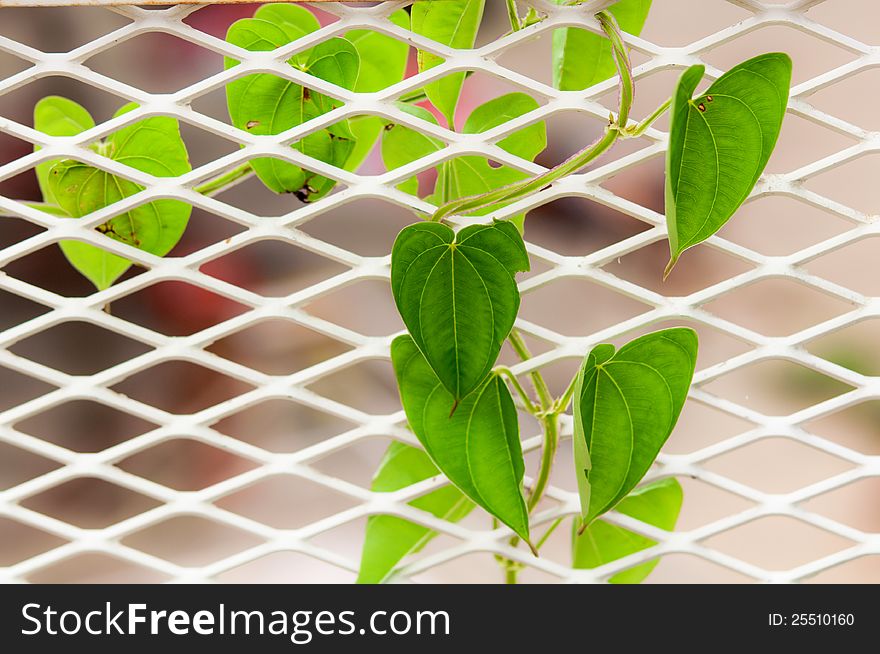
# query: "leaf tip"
532,548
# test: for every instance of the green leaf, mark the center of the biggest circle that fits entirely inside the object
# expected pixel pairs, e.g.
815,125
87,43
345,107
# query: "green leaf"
719,144
469,175
383,58
266,104
152,145
457,296
582,58
657,504
477,447
402,145
383,62
626,404
454,23
57,116
390,539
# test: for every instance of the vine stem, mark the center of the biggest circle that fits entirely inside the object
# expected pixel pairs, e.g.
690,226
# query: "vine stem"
221,182
513,15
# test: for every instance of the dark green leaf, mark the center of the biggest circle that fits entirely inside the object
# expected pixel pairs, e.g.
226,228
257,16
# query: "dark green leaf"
626,404
457,296
719,144
152,145
454,23
657,504
389,539
478,446
266,104
582,58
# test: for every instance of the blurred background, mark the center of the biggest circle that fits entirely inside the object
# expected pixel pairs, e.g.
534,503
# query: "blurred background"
770,225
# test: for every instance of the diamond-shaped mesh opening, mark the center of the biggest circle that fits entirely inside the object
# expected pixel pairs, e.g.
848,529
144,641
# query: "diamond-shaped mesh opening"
84,426
852,347
185,465
197,332
18,466
49,269
777,465
21,542
272,268
856,427
852,505
368,386
282,426
776,388
366,307
756,307
575,226
89,502
366,227
779,225
699,268
811,56
277,347
666,26
139,60
191,540
181,387
778,542
157,307
78,348
19,388
847,266
269,501
58,29
850,183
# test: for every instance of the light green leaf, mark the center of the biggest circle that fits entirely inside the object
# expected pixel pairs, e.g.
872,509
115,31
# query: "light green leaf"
468,175
626,404
382,58
57,116
527,142
582,58
153,146
382,64
477,447
390,539
454,23
457,296
719,144
657,504
266,104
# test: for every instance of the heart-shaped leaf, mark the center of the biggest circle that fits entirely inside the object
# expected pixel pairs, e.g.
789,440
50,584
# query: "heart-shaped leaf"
478,446
457,296
454,23
582,58
657,504
626,404
719,144
266,104
389,539
152,145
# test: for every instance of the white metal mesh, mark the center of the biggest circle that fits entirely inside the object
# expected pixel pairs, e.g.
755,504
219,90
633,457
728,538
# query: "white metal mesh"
287,228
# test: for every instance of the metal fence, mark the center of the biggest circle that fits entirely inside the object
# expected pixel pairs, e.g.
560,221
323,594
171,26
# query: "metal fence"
291,228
